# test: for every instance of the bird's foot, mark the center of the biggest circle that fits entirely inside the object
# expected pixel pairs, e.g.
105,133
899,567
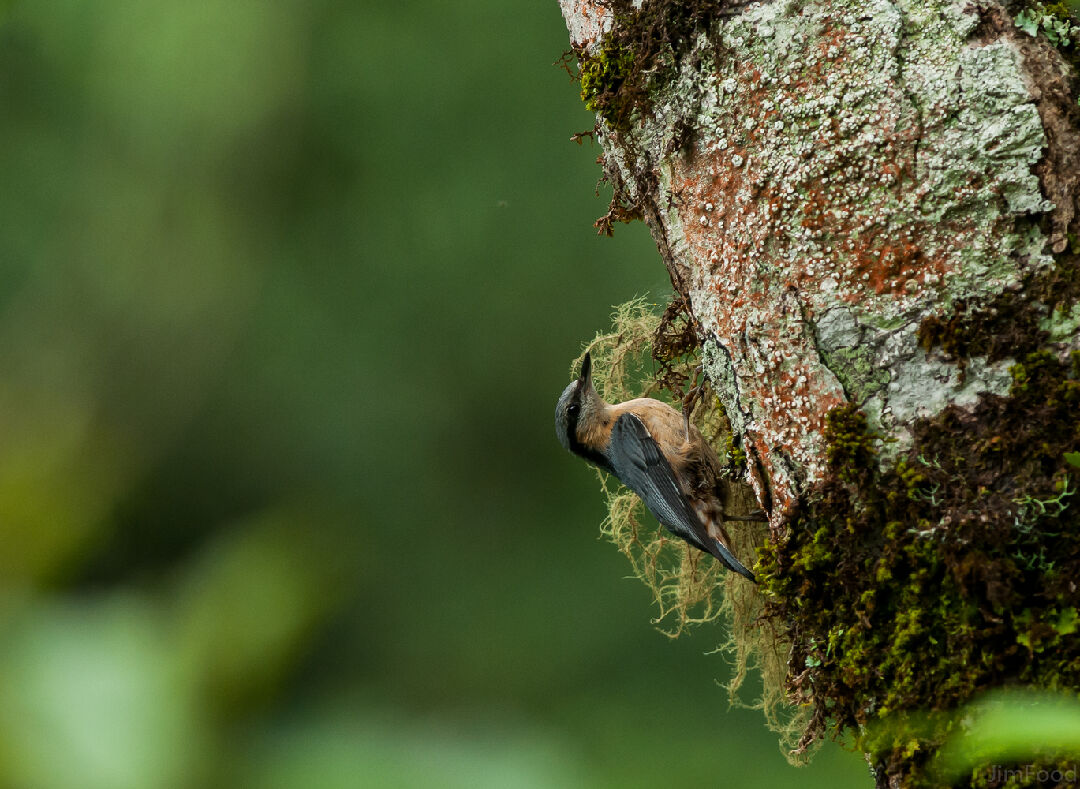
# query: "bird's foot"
693,394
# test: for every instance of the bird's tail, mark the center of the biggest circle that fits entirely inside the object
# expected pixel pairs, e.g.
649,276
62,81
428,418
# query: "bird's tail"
733,564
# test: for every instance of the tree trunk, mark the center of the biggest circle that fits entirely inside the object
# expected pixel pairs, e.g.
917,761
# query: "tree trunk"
871,210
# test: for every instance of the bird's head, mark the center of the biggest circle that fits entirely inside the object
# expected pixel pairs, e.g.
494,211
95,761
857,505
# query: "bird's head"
578,405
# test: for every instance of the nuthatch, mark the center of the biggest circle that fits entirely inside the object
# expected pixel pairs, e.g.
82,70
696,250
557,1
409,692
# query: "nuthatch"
656,453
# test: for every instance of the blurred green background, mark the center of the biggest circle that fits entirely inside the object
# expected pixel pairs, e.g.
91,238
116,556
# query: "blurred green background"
289,290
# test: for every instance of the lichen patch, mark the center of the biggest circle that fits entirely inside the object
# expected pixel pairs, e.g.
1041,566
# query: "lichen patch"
819,156
586,20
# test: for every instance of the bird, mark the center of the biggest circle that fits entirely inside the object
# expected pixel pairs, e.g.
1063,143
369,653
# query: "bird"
655,451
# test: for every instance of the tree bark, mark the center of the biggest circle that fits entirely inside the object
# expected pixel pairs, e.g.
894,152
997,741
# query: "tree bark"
871,210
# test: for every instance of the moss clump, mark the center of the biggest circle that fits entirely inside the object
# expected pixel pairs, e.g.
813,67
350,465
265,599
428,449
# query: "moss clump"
602,76
641,51
858,371
850,450
908,589
1011,325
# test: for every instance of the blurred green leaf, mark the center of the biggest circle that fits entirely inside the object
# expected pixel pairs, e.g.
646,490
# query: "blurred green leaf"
92,695
1011,727
59,475
246,608
368,748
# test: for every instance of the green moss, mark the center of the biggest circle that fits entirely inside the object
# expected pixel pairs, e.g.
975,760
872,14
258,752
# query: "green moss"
736,455
1013,324
643,49
857,370
850,452
906,590
1054,20
602,76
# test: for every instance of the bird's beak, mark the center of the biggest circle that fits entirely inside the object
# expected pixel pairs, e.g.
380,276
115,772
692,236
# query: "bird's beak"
585,378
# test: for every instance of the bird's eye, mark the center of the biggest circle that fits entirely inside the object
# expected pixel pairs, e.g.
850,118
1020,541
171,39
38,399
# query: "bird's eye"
573,409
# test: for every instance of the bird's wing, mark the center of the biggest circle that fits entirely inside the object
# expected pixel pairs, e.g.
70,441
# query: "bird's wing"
642,467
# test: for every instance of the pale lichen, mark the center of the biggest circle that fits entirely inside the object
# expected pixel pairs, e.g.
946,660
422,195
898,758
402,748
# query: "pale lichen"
831,171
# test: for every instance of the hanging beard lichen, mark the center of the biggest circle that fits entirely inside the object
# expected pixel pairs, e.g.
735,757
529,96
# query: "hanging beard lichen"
659,354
